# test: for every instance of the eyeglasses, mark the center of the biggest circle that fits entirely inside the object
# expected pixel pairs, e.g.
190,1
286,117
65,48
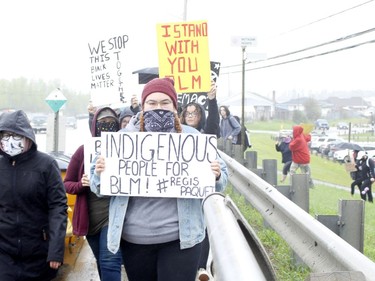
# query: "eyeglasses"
191,114
6,136
163,104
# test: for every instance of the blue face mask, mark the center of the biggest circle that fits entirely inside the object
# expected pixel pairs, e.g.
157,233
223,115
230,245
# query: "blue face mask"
159,120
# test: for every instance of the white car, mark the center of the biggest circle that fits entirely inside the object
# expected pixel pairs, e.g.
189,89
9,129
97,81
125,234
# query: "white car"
315,144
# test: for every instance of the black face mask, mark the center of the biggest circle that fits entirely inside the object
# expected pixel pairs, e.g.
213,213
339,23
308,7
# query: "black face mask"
159,120
112,126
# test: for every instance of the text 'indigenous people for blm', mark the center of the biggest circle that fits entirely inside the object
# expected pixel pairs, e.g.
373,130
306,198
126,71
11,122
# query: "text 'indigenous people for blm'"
158,164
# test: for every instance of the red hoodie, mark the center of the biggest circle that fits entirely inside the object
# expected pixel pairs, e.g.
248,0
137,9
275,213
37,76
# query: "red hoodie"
299,147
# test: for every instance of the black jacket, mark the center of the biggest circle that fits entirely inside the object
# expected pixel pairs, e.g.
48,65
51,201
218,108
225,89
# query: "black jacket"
33,203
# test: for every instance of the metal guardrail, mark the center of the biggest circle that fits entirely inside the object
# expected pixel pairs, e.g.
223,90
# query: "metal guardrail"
316,245
235,248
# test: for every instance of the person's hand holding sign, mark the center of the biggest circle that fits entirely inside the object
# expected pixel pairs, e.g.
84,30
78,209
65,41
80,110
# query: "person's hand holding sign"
216,169
85,180
100,165
212,93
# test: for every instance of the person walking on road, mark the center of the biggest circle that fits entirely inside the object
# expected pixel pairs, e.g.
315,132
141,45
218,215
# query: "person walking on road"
33,205
286,155
300,152
90,216
366,173
160,238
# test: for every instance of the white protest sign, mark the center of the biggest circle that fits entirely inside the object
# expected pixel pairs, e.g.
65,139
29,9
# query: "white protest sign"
91,149
106,59
158,164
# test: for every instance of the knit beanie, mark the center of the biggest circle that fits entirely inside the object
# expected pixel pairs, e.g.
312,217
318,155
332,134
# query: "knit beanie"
163,85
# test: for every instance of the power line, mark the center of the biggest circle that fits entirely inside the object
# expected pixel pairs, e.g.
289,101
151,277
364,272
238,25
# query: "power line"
308,57
325,18
341,39
315,46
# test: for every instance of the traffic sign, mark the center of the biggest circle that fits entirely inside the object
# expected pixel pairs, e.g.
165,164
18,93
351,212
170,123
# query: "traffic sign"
56,100
244,41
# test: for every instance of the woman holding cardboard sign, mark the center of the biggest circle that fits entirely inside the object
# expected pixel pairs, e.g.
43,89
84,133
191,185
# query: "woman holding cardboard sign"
160,238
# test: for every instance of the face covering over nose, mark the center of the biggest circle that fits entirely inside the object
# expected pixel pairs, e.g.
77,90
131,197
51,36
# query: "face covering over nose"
13,147
159,120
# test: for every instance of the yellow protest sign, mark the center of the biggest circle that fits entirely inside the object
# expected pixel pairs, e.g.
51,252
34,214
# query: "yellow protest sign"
184,55
307,128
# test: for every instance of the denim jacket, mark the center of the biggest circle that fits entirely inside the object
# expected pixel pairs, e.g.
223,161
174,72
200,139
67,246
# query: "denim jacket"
190,213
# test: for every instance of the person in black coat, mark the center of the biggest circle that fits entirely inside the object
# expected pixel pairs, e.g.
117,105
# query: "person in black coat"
366,167
194,115
286,155
33,205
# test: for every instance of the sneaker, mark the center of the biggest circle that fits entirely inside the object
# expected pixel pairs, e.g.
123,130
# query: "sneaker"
203,275
365,190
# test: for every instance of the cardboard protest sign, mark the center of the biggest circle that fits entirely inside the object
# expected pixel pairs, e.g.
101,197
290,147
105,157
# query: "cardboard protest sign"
158,164
201,98
91,149
106,72
184,55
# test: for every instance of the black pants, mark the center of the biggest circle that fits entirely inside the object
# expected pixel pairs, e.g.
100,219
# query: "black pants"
204,253
356,182
366,183
160,262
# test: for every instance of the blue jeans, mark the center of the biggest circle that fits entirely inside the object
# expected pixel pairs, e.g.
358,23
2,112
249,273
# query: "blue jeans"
109,264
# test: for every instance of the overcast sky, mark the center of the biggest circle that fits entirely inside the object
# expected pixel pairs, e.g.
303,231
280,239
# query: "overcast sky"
49,39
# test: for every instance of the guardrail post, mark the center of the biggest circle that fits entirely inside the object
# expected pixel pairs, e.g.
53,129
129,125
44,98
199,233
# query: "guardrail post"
251,159
300,191
270,171
351,225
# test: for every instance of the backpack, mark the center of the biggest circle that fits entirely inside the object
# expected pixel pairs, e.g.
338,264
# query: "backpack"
243,130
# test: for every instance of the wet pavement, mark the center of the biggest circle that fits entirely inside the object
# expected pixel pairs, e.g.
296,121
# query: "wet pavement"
79,263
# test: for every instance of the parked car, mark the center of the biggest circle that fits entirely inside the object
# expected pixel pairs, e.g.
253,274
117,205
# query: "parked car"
321,124
329,148
39,123
317,143
71,122
342,126
345,154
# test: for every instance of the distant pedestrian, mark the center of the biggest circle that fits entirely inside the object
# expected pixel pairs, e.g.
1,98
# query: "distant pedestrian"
366,172
356,175
286,155
229,126
300,152
33,209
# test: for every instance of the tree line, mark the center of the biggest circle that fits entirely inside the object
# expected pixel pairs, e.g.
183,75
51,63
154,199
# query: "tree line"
30,95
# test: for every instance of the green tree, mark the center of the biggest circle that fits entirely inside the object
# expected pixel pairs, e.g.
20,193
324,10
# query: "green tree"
312,109
299,117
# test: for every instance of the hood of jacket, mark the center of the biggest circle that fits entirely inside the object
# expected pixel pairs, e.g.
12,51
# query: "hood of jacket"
297,131
202,121
125,112
17,122
95,119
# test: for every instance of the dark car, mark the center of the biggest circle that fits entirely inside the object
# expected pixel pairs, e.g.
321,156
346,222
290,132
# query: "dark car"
321,124
39,123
